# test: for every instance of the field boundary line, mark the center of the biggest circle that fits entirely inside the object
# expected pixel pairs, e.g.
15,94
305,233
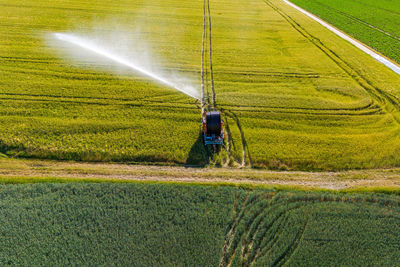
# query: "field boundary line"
363,47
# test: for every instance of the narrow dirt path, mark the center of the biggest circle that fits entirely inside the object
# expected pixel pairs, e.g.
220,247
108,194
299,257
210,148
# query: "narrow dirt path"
20,168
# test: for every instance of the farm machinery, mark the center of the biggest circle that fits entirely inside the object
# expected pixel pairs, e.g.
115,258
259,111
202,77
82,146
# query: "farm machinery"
213,129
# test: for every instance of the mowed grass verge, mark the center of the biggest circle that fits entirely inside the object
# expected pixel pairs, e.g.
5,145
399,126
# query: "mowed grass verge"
17,171
159,224
293,95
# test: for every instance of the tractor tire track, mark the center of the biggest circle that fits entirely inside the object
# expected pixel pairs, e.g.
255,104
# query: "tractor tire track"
229,247
237,215
245,150
252,249
204,84
264,246
229,141
273,235
261,233
371,111
210,52
366,106
285,256
141,105
229,254
179,105
203,104
91,98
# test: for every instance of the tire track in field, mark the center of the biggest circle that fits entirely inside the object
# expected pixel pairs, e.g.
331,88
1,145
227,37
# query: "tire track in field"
230,142
264,237
267,241
366,106
388,102
233,107
210,48
139,101
91,11
246,157
230,246
370,111
149,98
231,228
142,105
259,234
205,102
61,74
152,99
238,237
287,254
107,100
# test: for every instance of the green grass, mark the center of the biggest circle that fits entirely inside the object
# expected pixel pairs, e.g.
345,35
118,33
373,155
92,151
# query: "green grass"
375,23
303,98
168,224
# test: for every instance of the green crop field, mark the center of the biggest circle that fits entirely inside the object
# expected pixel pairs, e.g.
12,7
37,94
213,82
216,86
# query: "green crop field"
375,23
180,225
293,95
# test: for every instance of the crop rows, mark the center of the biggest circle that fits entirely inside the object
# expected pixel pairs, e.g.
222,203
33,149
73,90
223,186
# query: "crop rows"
160,224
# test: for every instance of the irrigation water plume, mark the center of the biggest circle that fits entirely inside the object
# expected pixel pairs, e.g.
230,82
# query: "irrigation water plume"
96,49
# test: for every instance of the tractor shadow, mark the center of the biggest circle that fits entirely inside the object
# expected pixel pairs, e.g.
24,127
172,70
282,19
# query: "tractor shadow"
198,155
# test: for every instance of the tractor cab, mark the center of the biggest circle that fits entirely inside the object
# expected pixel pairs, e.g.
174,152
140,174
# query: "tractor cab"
213,128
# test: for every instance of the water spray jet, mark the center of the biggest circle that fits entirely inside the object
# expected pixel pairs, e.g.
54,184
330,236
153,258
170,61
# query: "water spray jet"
96,49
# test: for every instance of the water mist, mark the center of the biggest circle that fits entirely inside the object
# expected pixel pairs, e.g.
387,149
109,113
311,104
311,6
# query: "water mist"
81,49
